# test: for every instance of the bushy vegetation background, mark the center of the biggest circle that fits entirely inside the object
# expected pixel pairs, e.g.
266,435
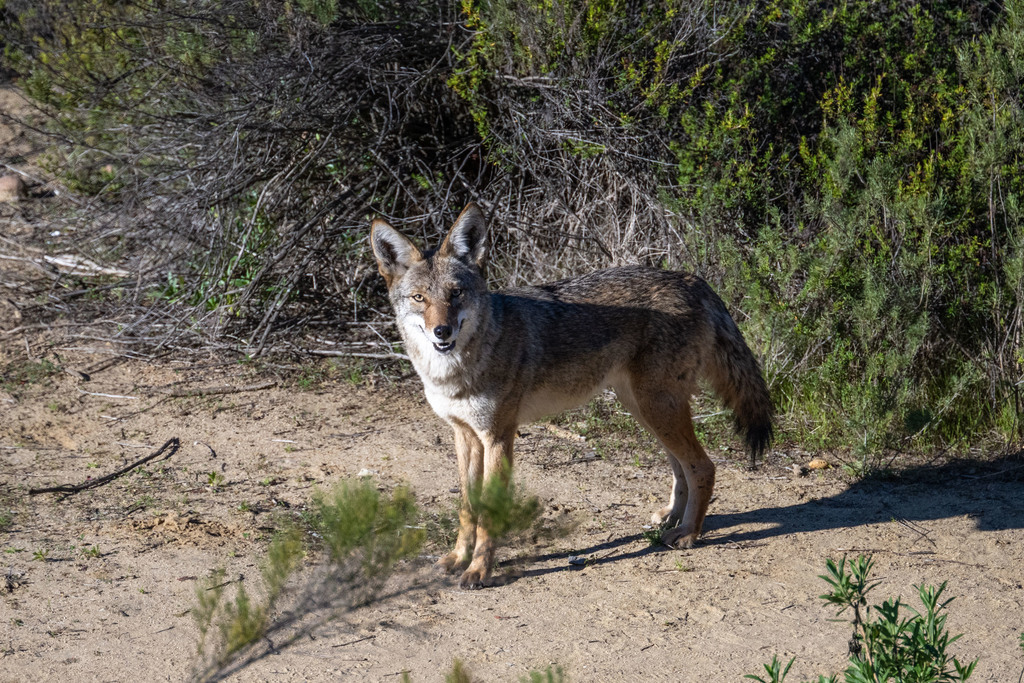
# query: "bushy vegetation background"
848,175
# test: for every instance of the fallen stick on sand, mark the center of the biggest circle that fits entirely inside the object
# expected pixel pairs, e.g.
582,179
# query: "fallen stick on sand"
172,444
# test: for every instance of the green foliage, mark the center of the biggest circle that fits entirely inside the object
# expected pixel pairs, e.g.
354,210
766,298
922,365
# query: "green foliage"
887,645
502,508
849,588
365,535
205,610
852,173
775,671
214,480
886,283
283,558
904,271
559,41
354,517
892,646
654,536
243,622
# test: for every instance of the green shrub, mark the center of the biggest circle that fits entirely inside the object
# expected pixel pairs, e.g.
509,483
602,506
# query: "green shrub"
365,535
354,517
887,645
906,295
848,174
241,623
502,508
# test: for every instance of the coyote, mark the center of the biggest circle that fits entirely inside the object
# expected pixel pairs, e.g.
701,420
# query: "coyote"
491,361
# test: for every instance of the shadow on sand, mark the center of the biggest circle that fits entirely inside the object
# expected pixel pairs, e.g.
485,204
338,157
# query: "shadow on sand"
990,492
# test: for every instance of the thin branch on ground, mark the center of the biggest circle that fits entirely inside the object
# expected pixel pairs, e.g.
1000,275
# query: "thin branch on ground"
171,445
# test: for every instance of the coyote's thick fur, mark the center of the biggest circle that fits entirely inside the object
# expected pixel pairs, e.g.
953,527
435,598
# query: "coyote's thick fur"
491,361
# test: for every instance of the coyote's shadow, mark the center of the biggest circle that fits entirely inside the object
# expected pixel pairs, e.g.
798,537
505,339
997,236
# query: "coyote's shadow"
989,492
595,555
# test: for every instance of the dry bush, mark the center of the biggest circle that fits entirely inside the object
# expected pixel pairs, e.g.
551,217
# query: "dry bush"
249,148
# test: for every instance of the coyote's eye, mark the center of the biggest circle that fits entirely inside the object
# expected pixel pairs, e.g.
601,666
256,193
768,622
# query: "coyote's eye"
456,292
418,298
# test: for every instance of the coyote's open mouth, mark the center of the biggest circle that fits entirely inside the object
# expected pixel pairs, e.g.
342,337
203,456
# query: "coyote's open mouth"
445,348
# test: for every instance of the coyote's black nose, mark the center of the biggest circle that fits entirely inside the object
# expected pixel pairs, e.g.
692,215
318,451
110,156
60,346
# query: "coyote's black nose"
442,332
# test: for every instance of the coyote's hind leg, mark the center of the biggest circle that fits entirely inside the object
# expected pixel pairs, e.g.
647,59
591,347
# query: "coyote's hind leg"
670,515
665,412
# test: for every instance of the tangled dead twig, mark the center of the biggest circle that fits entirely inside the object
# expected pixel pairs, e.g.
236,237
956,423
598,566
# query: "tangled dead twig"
170,445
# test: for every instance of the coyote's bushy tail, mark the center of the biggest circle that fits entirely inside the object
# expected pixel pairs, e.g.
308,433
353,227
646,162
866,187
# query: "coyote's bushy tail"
736,377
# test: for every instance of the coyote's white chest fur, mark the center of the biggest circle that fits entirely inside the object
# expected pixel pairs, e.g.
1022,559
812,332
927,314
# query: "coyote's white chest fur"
446,386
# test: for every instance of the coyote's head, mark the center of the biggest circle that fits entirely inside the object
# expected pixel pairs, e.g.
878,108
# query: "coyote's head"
436,294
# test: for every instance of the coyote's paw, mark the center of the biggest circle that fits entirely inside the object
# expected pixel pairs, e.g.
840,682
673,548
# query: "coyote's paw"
679,538
664,517
473,579
452,562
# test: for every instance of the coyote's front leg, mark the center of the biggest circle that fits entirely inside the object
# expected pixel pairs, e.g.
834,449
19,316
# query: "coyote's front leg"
497,463
470,453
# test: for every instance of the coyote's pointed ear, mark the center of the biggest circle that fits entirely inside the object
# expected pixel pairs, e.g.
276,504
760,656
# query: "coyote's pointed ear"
394,252
467,240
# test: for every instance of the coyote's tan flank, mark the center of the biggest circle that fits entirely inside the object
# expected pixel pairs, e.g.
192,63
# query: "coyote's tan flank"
491,361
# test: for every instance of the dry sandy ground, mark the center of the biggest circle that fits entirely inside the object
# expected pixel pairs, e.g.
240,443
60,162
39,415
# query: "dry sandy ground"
121,612
101,585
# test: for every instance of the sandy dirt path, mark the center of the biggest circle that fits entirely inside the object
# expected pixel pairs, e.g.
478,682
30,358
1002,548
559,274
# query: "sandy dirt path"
633,612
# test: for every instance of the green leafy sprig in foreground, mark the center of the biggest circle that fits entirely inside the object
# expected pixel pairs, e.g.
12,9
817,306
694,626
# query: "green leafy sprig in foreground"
365,535
888,644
